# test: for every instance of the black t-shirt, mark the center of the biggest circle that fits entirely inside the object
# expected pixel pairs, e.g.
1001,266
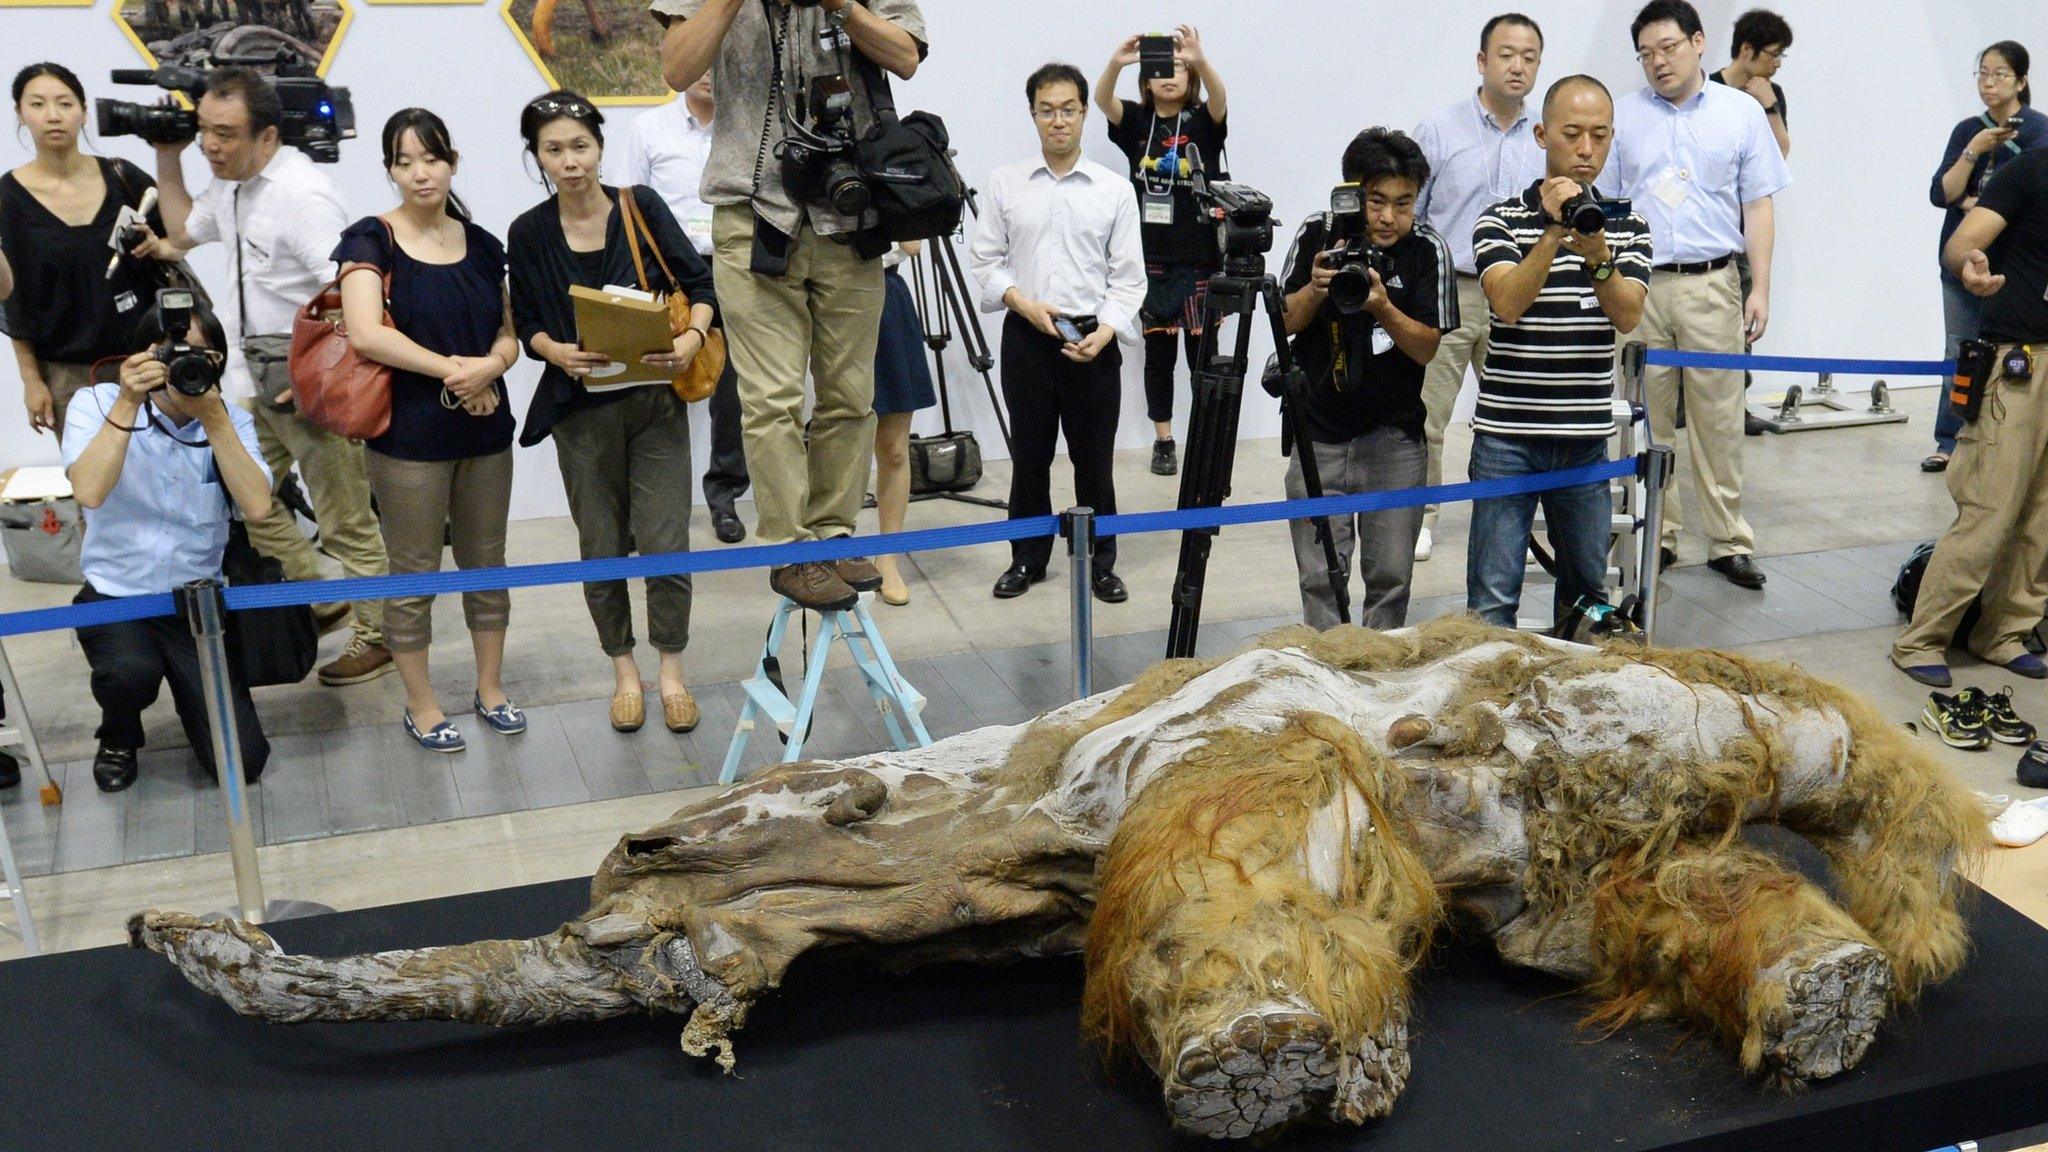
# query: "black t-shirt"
63,304
1784,113
2018,191
1386,386
454,309
1157,148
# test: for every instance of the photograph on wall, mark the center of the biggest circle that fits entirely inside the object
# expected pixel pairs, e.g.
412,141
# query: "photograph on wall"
608,50
302,34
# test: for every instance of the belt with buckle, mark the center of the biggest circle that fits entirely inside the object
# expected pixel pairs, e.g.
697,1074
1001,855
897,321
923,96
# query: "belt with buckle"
1714,265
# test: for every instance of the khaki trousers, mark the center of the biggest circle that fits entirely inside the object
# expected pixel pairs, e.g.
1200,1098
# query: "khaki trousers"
470,499
1701,313
1461,347
340,490
1998,544
65,381
824,315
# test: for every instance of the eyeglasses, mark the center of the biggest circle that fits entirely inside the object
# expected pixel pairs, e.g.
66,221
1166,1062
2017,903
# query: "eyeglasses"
1055,115
1999,75
1663,51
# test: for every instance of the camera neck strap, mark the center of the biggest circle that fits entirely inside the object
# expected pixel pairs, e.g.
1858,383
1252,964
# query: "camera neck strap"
778,37
241,293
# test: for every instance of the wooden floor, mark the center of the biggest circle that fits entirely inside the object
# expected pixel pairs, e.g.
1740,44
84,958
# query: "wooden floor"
359,779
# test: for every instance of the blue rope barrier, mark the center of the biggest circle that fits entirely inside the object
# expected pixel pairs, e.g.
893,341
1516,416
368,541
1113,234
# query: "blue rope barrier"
770,555
1674,358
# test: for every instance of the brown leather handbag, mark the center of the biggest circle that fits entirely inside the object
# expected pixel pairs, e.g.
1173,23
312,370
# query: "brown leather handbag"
700,379
334,386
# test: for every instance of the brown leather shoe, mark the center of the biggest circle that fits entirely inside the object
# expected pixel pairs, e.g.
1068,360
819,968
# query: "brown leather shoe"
859,573
629,711
813,585
358,662
679,711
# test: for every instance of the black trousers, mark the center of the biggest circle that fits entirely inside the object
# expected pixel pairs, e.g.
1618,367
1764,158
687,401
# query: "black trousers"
725,480
130,662
1160,353
1048,394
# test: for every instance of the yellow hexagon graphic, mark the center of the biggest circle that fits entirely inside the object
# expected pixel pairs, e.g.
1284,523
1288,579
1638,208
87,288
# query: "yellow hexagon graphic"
608,50
191,31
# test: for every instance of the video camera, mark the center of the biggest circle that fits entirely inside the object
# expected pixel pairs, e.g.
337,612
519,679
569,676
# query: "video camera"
317,116
818,159
1587,213
1351,252
188,368
1243,216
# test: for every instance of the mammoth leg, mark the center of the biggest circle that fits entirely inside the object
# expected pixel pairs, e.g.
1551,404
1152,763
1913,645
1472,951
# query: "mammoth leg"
549,979
1730,938
1254,930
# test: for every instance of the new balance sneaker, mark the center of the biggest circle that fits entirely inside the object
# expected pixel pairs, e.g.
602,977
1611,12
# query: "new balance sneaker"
1958,721
2005,725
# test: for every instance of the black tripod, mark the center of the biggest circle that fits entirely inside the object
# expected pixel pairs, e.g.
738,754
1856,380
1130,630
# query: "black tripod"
1218,386
943,308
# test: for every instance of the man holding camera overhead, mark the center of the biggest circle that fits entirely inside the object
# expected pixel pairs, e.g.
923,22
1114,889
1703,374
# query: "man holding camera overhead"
1701,164
798,294
1369,294
281,218
161,464
1563,273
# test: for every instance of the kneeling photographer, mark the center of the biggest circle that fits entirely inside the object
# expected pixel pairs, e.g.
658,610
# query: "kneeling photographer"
1369,293
161,464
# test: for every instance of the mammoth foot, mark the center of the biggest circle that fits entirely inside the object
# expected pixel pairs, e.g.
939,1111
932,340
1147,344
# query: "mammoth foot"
1279,1063
1818,1010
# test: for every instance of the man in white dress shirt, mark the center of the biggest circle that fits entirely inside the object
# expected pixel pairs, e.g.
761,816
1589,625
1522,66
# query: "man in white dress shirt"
1058,246
666,149
280,218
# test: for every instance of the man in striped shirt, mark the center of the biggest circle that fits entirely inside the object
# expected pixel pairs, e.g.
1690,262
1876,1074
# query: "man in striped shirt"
1558,298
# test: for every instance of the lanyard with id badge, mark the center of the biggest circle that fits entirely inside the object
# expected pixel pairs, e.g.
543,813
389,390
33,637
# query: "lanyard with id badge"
1157,175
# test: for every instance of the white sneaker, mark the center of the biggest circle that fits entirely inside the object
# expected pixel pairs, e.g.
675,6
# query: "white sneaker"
2021,824
1424,545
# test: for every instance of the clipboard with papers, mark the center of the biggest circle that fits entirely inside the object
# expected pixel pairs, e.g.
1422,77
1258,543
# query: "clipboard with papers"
623,324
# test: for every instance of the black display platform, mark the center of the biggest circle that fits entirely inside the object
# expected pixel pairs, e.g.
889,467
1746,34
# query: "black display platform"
111,1049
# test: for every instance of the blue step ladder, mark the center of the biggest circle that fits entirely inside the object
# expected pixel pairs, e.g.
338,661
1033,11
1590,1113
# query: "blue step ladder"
766,698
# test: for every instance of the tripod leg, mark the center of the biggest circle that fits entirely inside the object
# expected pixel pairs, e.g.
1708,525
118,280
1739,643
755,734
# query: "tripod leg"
1297,431
1217,385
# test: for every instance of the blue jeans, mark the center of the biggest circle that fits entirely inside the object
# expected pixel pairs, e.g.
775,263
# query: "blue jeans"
1960,316
1580,522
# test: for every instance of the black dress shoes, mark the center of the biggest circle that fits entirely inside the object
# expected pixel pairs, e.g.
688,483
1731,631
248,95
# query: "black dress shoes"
726,524
1740,570
1109,588
1666,557
113,768
1017,581
10,771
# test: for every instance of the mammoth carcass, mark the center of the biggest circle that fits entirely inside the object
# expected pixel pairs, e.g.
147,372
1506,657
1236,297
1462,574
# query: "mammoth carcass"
1255,853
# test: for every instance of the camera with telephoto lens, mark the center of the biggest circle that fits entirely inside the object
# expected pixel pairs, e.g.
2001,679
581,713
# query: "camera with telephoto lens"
1587,213
1350,252
817,159
188,368
316,118
1243,216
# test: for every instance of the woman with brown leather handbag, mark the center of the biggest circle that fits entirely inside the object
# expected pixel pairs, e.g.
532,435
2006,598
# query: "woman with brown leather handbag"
624,449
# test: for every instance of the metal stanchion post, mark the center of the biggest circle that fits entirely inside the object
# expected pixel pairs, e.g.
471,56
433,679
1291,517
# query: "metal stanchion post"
205,611
1079,528
1655,465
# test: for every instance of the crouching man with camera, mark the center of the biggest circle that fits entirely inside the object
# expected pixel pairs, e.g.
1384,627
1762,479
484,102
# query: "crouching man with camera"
1997,549
1369,294
161,465
1563,272
800,296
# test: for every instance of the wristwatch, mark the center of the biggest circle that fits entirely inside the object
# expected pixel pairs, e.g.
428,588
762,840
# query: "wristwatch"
1601,271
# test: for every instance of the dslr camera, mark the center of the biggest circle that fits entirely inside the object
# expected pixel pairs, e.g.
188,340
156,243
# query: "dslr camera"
317,116
188,368
1351,252
1587,213
1243,216
817,158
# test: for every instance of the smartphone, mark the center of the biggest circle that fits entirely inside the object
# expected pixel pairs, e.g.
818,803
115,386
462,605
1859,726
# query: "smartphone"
1066,329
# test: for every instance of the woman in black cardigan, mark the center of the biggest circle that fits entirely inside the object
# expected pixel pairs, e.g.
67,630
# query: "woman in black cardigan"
625,453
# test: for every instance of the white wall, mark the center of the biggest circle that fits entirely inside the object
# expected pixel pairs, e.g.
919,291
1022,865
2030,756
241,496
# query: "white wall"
1874,89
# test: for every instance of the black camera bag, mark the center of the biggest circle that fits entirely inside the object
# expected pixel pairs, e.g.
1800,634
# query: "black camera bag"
945,463
272,645
908,166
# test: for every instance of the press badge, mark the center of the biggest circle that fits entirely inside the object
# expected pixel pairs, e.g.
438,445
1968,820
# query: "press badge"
833,40
1382,341
1675,188
1156,204
125,302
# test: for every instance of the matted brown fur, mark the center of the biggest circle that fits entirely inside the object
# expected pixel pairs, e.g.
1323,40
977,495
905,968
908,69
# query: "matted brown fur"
1204,910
